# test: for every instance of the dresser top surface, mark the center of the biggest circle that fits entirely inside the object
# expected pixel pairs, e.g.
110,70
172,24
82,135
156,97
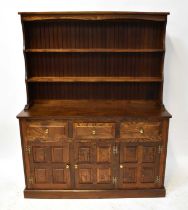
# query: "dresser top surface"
94,108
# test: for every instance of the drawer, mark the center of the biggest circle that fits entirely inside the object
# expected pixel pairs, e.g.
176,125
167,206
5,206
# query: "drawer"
46,130
148,130
94,130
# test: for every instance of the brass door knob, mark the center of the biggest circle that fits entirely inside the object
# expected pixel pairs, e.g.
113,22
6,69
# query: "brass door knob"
46,131
121,166
67,166
93,132
75,166
141,130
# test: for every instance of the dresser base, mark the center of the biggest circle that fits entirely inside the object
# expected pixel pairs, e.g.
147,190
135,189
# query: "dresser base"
137,193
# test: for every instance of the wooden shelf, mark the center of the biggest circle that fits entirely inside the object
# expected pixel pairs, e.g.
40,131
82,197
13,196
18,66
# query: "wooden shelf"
94,79
85,50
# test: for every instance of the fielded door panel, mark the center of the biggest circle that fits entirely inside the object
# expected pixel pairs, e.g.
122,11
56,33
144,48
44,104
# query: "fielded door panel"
49,166
94,165
139,165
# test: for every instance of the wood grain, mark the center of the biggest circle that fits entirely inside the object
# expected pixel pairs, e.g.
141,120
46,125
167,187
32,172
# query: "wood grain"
94,130
86,194
94,79
94,50
90,109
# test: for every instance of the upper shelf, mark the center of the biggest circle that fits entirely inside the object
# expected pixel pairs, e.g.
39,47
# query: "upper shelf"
115,50
94,79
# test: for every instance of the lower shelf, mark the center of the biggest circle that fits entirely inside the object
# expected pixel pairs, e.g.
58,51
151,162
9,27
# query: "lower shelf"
136,193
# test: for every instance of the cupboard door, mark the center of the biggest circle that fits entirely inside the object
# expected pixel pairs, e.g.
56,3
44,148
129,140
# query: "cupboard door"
104,165
94,165
84,165
139,165
49,166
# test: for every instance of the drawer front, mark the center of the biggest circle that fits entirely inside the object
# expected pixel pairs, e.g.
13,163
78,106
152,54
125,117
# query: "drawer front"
46,130
94,130
148,130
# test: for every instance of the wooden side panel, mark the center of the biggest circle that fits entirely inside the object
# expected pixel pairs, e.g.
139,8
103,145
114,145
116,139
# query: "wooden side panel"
165,128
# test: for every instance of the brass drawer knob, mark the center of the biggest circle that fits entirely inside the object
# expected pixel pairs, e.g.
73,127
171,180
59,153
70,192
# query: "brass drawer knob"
141,130
75,166
93,132
121,166
46,131
67,166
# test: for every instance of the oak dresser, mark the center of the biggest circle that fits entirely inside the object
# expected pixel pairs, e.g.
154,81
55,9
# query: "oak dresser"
94,125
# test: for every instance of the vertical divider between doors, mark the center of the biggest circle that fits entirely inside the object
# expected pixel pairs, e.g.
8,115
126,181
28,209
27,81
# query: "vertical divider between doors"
72,157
